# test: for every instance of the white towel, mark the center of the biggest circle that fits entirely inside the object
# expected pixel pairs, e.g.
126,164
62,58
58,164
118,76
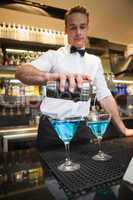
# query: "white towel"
60,108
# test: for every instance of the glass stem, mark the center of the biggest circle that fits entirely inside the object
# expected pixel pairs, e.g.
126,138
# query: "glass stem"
67,148
100,146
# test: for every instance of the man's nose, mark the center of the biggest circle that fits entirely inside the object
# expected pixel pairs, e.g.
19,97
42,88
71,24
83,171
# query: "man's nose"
78,31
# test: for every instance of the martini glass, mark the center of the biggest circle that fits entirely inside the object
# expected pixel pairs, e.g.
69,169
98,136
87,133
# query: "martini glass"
66,129
98,123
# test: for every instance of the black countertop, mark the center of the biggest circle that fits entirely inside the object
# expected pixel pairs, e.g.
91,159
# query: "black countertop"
22,175
93,176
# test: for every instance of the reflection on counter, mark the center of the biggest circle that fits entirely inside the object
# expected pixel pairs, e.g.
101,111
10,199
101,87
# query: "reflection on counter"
19,171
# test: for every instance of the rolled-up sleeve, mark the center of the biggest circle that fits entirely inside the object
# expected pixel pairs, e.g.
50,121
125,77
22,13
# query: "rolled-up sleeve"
102,89
45,62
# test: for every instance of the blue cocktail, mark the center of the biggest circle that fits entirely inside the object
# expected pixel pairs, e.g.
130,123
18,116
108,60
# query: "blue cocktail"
98,128
66,129
98,124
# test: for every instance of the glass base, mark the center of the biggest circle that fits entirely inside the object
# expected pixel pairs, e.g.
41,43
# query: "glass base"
65,167
101,156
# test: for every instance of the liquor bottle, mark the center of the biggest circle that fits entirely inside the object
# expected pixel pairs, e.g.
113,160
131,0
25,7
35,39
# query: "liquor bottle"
3,30
1,57
14,30
45,36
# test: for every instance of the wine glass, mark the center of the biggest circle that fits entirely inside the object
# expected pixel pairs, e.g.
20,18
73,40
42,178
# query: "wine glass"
98,123
66,129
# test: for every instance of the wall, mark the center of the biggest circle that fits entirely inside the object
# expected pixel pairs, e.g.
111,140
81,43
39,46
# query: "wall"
16,17
111,20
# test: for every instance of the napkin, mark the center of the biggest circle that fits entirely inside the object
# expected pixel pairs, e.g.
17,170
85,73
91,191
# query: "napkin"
128,176
61,108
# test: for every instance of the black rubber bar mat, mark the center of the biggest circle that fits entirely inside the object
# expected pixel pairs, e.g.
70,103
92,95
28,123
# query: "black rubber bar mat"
92,174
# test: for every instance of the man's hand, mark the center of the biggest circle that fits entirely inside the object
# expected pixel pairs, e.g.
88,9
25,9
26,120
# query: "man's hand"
30,75
128,132
74,80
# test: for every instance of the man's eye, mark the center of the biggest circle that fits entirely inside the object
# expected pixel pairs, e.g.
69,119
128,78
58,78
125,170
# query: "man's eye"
82,27
72,28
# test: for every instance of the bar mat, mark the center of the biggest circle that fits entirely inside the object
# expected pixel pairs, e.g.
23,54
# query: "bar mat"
92,174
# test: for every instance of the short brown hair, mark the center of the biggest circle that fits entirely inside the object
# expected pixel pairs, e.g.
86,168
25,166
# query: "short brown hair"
76,9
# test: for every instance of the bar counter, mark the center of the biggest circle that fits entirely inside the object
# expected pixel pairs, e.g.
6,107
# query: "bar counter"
26,133
16,133
28,174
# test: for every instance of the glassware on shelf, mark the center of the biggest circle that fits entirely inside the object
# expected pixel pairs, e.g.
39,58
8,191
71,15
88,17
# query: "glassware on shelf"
66,129
98,123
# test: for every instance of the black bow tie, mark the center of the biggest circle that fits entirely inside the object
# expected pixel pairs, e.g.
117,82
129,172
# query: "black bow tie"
74,49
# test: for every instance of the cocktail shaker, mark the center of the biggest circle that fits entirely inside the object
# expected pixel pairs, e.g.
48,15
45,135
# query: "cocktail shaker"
79,94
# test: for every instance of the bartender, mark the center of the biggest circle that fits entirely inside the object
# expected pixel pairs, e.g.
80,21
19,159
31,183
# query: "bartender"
72,64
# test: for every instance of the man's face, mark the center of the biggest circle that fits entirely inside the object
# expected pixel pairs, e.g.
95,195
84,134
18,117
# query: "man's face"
77,29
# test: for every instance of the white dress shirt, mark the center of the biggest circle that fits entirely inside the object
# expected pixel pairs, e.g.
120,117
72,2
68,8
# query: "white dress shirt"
62,61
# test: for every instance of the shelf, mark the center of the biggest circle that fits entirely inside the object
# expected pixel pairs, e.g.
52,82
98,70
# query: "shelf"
37,46
7,72
26,45
123,81
7,76
115,47
127,118
18,129
7,68
23,190
96,50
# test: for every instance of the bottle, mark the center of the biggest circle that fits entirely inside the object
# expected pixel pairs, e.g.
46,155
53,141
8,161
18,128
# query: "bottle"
14,30
1,57
83,94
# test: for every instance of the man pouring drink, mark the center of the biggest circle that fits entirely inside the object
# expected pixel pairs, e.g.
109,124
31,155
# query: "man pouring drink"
74,65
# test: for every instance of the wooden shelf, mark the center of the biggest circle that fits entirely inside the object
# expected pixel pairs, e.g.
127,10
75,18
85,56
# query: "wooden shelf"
7,68
26,45
37,46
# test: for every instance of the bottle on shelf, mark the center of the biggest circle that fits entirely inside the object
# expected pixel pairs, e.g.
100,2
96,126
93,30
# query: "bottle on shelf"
8,30
14,32
1,57
3,30
120,89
